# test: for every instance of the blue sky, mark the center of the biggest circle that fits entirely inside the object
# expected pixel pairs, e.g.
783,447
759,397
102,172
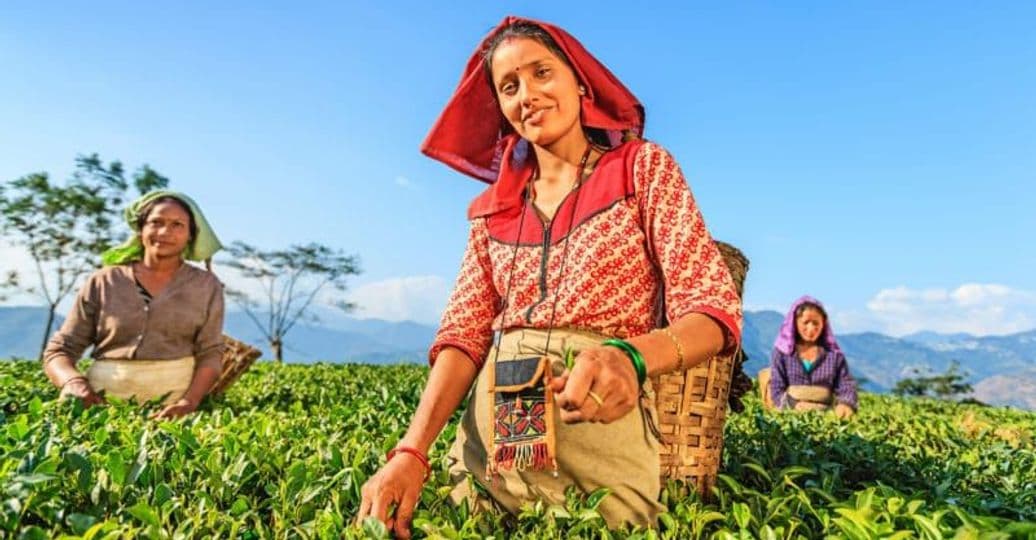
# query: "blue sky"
880,156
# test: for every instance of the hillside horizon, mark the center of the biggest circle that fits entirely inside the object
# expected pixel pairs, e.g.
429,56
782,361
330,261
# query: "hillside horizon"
1002,369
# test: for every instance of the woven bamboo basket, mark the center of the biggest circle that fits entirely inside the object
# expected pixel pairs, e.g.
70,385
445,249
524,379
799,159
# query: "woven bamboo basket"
237,358
692,407
764,388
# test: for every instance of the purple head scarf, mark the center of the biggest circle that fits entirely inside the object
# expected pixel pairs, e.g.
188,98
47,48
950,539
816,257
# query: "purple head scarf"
786,337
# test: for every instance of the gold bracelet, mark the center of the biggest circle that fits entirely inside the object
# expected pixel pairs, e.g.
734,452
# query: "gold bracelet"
679,348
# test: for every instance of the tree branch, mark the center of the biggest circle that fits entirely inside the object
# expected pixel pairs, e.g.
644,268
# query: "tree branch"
303,307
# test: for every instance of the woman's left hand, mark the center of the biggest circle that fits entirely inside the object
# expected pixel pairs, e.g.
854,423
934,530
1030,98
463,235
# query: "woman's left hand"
600,387
182,407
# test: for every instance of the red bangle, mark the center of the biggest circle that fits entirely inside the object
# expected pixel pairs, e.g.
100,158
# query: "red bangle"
413,452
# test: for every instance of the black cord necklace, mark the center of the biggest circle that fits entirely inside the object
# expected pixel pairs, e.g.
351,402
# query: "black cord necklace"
564,254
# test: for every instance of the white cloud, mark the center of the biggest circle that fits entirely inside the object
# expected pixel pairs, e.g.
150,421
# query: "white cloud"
414,298
975,308
234,280
764,307
17,259
973,294
405,183
13,258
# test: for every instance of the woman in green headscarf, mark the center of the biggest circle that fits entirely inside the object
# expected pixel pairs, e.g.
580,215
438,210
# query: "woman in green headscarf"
155,323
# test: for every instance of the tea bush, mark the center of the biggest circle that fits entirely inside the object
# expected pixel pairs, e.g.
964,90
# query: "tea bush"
284,453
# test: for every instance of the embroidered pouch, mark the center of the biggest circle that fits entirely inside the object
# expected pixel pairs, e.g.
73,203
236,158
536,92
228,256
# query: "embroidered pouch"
522,409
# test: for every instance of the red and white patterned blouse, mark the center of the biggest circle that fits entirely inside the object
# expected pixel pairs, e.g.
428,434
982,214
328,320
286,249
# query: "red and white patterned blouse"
634,226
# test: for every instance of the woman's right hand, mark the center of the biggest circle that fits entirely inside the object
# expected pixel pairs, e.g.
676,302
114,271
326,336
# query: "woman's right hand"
80,388
392,494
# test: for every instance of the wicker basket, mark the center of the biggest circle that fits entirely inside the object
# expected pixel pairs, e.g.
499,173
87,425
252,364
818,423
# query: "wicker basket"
764,388
237,358
693,406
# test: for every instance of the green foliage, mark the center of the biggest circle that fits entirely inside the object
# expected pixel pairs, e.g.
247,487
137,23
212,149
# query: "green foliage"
947,386
290,280
284,453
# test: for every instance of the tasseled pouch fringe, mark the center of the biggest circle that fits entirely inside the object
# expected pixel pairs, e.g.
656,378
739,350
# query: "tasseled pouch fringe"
523,416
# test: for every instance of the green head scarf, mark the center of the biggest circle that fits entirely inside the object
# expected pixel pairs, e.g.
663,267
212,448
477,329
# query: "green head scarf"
201,248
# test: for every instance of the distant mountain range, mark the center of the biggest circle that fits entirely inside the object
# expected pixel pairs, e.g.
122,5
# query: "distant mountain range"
1001,368
335,339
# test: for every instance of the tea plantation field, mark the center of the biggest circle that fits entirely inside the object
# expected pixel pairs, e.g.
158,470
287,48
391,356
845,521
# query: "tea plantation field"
284,453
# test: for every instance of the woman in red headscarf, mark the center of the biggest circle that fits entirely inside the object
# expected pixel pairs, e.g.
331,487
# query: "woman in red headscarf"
586,238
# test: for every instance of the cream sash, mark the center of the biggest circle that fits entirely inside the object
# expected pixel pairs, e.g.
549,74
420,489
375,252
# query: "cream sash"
806,397
142,379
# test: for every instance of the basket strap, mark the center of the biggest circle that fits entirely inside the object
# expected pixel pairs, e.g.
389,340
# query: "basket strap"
730,380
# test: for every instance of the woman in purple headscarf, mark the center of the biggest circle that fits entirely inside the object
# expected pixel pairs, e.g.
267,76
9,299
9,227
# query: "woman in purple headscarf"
808,370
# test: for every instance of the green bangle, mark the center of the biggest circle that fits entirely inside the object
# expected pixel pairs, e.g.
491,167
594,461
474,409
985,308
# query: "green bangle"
634,356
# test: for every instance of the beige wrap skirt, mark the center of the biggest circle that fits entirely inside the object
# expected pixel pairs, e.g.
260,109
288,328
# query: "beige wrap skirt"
143,380
512,444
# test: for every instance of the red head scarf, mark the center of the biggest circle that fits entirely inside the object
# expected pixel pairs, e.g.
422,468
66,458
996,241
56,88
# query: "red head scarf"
472,136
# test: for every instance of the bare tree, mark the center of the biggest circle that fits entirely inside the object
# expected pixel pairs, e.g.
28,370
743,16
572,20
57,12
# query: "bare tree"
291,279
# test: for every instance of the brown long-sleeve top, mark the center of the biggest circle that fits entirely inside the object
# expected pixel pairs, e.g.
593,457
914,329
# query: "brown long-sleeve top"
184,319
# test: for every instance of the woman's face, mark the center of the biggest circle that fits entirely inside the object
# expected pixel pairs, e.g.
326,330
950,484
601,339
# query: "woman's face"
810,324
537,91
166,230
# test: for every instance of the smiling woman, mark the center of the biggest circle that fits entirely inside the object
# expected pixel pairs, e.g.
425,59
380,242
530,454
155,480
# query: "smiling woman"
537,90
166,226
587,239
154,322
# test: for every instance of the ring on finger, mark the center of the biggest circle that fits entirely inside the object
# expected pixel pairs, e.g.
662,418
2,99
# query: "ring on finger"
595,397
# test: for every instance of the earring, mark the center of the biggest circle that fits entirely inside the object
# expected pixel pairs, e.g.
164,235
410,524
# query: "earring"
582,90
